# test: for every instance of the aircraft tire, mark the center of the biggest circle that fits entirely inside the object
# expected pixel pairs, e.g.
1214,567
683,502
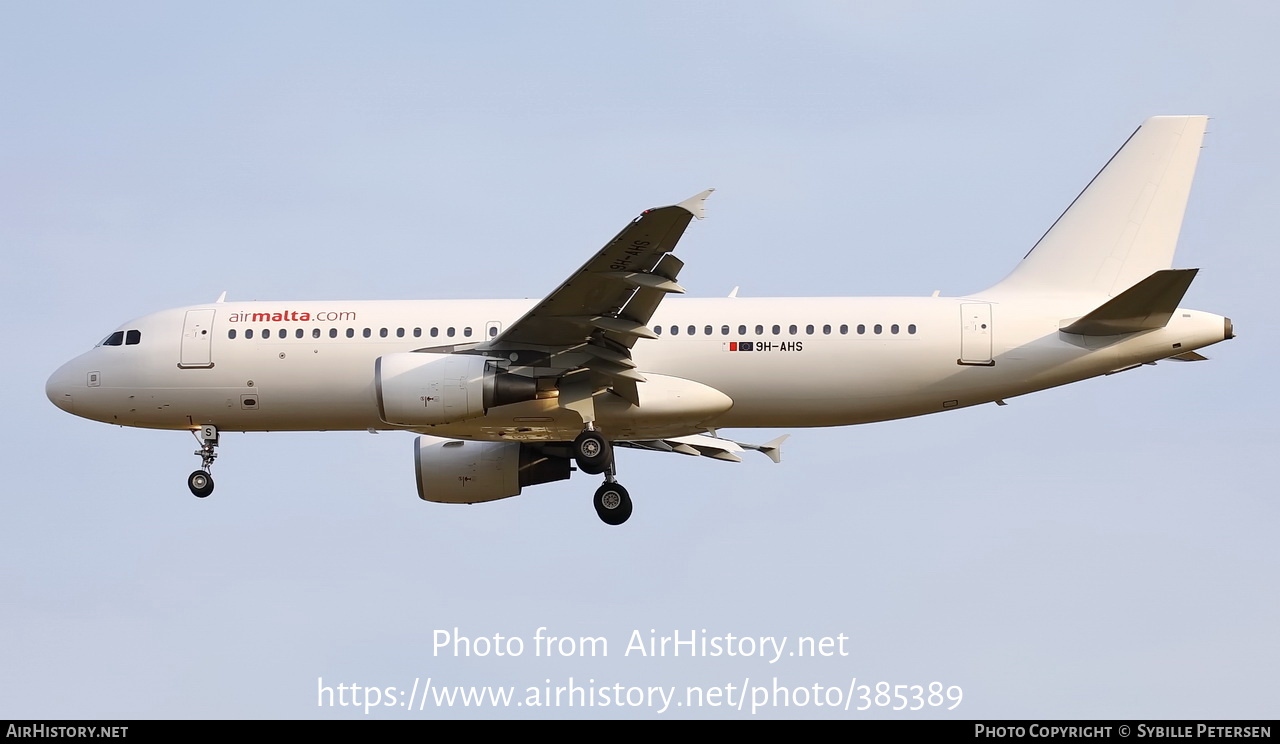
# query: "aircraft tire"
613,503
592,453
200,483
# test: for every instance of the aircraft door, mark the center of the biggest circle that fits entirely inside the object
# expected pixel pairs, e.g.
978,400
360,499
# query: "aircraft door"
197,340
975,334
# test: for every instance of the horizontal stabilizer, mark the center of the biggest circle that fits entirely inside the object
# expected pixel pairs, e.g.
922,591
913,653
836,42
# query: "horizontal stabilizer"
773,448
1145,306
1190,356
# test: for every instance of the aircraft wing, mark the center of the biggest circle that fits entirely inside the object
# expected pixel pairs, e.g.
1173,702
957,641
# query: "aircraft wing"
703,445
591,321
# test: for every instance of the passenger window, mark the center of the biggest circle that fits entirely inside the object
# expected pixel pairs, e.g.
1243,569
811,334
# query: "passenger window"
808,330
399,333
382,332
248,333
351,333
742,330
449,332
861,329
368,332
493,331
893,328
707,330
844,329
231,333
759,330
777,330
417,333
315,333
333,333
435,332
724,330
693,330
657,330
878,328
283,333
826,330
911,328
791,330
266,333
467,331
299,333
675,330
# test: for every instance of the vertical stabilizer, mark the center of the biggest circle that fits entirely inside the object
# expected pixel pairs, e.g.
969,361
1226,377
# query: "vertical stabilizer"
1125,223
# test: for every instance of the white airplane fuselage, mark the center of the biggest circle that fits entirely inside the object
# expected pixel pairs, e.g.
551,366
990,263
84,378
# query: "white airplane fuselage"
848,361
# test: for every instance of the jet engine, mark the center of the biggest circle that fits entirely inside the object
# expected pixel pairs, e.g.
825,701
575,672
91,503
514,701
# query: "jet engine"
461,472
417,389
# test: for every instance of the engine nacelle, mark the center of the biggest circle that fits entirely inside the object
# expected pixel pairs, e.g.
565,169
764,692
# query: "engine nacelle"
417,389
461,472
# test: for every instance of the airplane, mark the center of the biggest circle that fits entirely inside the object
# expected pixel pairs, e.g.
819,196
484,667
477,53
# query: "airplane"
507,394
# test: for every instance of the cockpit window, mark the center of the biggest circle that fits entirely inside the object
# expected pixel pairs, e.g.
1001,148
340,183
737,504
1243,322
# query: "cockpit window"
115,339
132,338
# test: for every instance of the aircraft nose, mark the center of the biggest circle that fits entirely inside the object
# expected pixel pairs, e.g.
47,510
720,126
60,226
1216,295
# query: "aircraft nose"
60,386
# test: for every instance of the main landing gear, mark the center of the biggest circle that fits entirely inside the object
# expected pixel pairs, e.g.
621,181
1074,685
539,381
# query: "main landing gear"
612,502
200,482
594,455
592,452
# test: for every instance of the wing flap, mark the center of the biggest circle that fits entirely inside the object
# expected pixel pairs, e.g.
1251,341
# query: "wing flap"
646,299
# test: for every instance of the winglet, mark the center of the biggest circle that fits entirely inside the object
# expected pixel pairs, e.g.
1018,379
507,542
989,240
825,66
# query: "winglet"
696,204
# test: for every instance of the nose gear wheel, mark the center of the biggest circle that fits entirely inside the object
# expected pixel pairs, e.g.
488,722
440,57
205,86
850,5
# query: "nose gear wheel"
200,481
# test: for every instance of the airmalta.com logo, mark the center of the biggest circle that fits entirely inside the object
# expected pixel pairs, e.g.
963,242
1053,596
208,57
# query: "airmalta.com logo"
292,316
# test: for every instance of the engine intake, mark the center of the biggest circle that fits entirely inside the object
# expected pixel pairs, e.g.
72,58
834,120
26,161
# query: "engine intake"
417,389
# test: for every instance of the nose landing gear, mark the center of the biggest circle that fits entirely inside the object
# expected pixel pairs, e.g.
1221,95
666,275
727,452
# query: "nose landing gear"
200,482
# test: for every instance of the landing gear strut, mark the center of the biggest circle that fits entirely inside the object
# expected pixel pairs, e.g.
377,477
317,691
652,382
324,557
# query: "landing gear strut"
593,454
200,482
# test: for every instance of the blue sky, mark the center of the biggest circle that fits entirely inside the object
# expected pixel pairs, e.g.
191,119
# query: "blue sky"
1101,550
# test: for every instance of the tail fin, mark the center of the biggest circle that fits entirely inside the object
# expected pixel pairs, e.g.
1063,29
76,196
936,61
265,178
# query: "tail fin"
1125,223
